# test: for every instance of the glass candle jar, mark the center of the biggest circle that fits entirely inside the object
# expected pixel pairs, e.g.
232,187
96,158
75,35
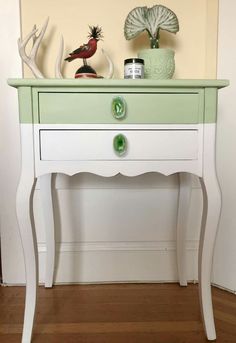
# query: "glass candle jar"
134,68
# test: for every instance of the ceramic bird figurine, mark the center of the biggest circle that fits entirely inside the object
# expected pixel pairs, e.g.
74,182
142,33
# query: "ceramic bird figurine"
87,50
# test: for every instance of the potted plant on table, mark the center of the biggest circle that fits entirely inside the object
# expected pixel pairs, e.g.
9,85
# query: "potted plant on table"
158,63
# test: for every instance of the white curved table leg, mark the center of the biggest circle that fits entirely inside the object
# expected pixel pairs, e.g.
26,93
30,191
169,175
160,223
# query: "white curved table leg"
27,233
210,219
183,209
47,206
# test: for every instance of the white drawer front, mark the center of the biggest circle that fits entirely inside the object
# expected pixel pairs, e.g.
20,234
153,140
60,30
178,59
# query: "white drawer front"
71,145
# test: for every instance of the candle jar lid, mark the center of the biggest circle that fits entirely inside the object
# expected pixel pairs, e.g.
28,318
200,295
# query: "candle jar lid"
134,60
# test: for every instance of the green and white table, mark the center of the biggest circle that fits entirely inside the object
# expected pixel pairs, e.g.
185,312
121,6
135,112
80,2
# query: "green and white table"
107,127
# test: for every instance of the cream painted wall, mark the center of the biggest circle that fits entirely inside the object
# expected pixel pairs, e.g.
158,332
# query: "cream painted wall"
195,44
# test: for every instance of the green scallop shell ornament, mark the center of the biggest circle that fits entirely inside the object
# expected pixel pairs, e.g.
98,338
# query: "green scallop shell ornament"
152,20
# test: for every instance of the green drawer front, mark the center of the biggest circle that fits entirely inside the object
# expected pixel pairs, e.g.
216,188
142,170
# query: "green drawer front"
141,108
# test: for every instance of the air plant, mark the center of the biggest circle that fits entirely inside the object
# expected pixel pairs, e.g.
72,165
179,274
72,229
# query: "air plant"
152,20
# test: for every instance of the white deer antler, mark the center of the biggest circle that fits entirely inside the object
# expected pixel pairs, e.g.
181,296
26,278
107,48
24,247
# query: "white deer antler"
30,59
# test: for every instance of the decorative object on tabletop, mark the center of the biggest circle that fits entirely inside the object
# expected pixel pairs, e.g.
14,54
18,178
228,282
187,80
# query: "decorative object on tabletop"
158,63
29,58
134,68
86,51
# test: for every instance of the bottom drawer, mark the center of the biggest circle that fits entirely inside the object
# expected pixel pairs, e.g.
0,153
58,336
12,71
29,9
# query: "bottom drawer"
72,145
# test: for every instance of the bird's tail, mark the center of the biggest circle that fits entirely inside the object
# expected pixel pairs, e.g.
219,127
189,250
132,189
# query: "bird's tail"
69,59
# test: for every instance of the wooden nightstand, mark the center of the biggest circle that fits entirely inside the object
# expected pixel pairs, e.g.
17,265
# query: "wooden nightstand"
119,126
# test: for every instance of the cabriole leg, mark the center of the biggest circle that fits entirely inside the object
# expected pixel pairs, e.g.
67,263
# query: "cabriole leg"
47,207
24,210
183,209
28,239
211,214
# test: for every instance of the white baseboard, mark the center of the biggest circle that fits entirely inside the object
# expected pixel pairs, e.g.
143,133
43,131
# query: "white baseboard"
117,246
118,262
100,262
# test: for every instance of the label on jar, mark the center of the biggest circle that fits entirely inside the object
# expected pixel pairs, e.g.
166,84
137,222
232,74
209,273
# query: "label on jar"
133,71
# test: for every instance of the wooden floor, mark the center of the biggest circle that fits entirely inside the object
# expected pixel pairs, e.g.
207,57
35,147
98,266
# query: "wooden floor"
121,313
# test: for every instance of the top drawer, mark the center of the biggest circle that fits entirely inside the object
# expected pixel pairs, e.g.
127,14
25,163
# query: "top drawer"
141,108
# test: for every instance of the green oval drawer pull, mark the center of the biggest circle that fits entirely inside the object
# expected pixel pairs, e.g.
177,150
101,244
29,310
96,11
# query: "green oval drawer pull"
120,144
118,107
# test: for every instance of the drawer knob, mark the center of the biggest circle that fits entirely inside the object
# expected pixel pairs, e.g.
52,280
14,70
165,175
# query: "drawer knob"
118,107
120,144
